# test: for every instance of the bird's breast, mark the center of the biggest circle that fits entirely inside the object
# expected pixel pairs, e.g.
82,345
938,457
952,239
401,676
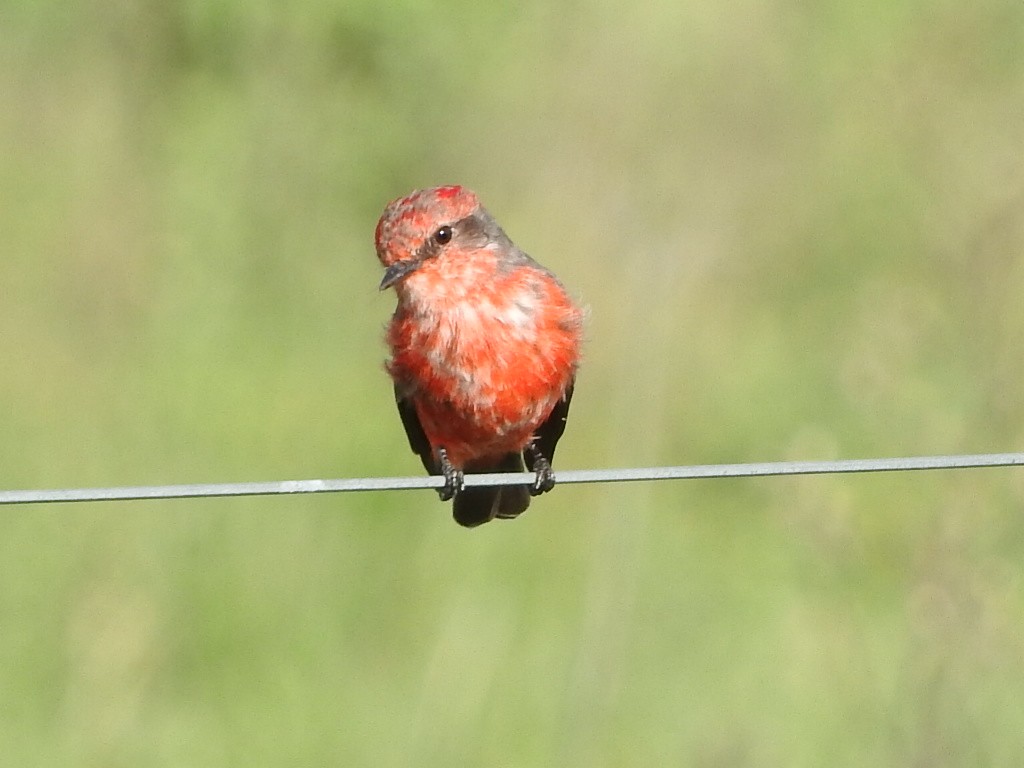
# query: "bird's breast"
495,360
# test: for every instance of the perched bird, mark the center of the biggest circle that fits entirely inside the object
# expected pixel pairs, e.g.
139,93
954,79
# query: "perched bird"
485,343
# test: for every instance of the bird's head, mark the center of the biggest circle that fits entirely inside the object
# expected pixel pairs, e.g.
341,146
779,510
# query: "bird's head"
430,226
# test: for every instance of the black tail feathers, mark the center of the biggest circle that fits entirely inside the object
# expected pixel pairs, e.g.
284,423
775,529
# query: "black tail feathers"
474,506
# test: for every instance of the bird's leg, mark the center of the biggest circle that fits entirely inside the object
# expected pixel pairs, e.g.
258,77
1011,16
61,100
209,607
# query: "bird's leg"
539,464
453,479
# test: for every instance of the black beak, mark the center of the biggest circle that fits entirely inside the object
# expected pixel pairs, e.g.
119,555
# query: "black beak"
398,270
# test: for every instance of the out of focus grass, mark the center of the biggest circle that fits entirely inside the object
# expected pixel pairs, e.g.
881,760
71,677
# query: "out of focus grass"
800,231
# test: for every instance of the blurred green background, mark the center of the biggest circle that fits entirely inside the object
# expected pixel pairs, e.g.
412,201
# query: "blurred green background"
799,229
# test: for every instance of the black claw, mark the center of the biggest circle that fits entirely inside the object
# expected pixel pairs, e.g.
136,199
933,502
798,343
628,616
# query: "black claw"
544,479
454,481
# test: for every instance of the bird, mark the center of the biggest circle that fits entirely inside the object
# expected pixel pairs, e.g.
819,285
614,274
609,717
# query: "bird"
484,343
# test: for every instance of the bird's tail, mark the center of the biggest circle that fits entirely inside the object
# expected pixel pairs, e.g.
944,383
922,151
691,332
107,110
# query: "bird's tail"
476,505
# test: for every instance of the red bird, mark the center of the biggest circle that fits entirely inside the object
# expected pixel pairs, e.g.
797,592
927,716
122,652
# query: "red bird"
485,343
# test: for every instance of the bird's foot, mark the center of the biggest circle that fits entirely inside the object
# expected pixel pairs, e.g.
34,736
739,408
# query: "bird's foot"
544,476
454,481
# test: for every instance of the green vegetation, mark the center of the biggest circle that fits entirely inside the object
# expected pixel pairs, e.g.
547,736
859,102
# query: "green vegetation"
800,231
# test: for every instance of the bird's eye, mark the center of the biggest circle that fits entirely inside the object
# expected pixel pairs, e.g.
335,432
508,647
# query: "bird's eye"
443,235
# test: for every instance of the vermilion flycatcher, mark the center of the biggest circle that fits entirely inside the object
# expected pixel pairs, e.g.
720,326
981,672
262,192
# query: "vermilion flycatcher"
485,343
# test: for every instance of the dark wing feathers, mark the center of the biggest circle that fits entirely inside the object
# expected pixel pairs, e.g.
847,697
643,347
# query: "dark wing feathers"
551,430
414,431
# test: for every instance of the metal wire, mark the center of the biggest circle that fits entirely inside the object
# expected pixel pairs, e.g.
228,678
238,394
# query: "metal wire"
767,469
